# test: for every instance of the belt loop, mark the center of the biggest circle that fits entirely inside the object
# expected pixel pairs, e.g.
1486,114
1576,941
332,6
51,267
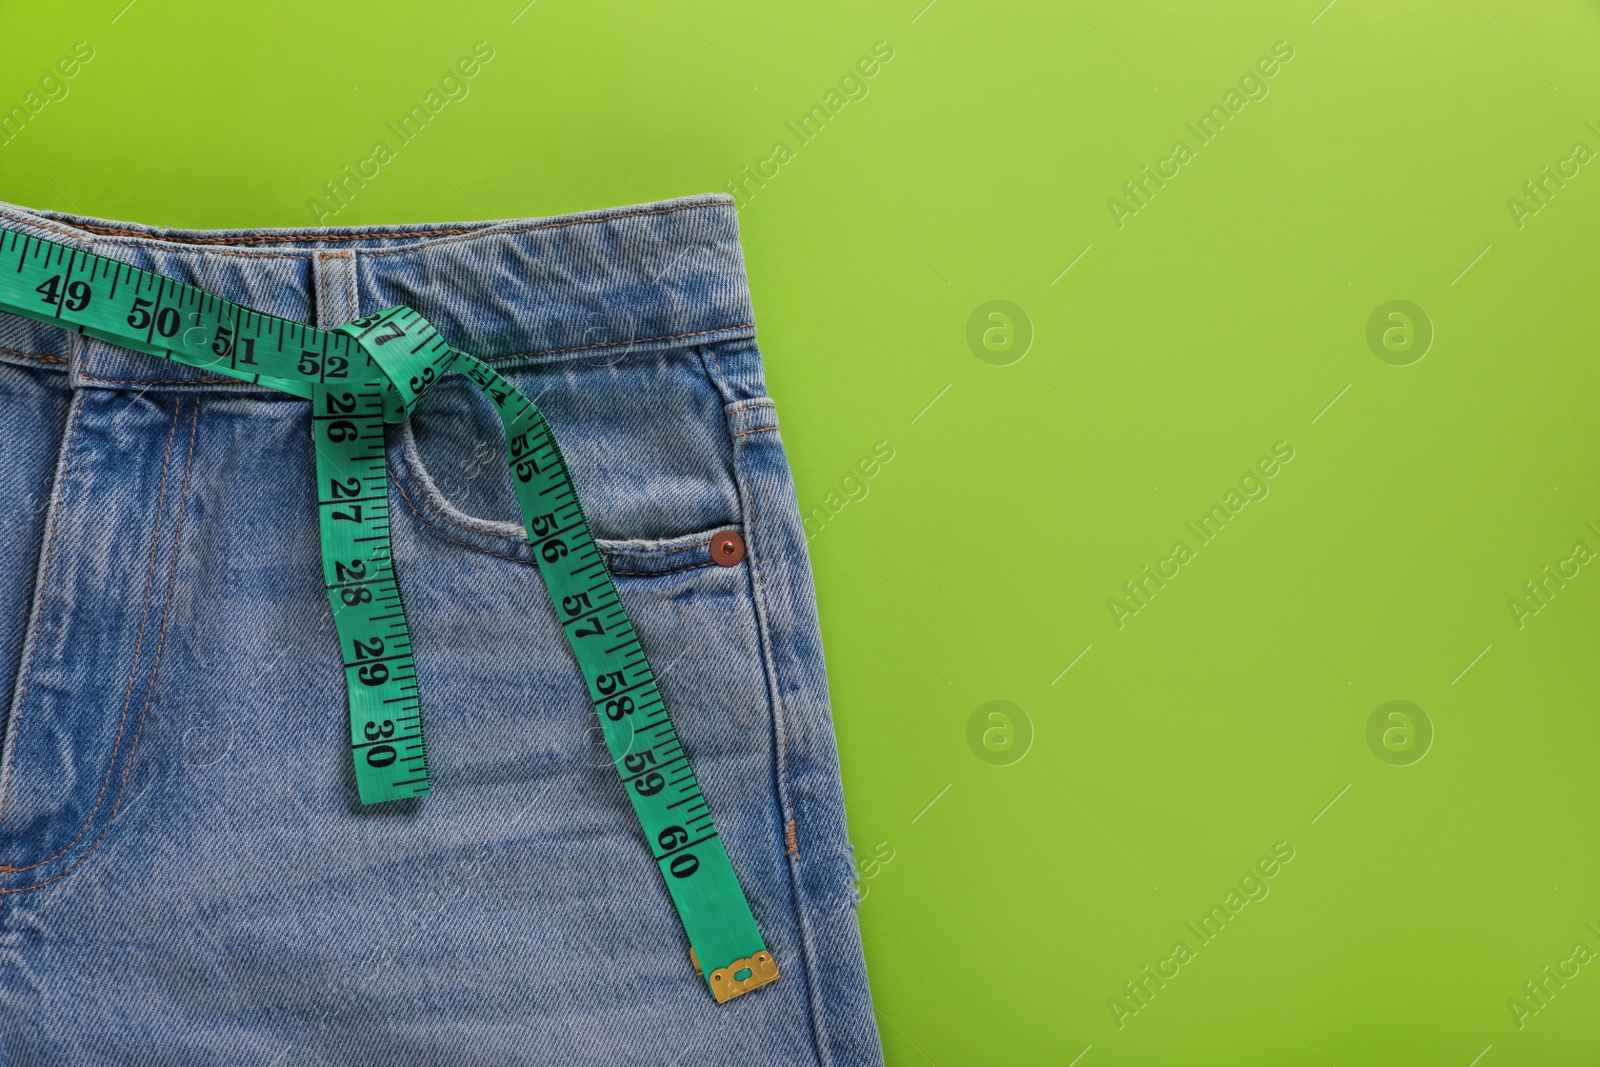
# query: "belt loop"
334,279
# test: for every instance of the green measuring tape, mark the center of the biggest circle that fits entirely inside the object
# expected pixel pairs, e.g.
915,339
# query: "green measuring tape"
359,377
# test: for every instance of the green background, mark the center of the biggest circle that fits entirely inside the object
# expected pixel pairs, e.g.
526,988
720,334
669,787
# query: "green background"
1006,905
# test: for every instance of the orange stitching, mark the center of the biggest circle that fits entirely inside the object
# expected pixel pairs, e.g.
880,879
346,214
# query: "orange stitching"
758,429
145,240
167,381
138,646
159,245
33,355
226,252
38,621
289,238
41,224
172,572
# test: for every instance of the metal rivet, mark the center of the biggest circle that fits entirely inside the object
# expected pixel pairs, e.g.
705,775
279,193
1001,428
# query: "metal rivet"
727,548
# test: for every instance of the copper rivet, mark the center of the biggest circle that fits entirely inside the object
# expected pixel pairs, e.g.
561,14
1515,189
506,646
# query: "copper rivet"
727,548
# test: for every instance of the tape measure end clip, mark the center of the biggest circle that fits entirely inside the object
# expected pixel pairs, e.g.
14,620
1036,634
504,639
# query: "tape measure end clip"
741,976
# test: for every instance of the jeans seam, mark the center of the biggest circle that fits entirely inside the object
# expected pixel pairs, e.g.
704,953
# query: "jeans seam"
249,240
165,381
34,355
14,725
708,362
781,753
616,344
236,383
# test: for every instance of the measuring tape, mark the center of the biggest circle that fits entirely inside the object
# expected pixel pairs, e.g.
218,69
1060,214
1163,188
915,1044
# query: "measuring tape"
359,377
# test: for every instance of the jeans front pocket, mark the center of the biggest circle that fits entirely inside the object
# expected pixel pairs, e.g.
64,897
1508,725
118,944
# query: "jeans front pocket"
643,436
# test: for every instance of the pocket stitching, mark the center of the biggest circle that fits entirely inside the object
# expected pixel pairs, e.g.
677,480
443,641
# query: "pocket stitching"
530,563
411,456
511,536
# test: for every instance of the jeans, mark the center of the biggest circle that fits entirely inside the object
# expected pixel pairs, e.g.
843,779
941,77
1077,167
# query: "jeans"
186,875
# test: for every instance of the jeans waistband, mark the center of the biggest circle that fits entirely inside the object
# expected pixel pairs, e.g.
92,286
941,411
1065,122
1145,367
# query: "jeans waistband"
597,283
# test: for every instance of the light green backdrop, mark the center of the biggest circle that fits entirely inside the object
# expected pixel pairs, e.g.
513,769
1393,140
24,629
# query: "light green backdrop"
1176,340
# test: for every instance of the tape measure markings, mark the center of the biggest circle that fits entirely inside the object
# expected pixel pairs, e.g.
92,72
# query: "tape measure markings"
356,383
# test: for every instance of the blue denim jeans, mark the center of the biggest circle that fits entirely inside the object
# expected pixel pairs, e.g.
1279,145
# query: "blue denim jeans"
186,876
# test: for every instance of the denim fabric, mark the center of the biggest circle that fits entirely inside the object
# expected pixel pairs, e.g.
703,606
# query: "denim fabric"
186,876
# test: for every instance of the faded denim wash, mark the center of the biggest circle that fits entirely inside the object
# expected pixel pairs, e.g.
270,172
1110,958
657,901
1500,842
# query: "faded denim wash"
186,877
